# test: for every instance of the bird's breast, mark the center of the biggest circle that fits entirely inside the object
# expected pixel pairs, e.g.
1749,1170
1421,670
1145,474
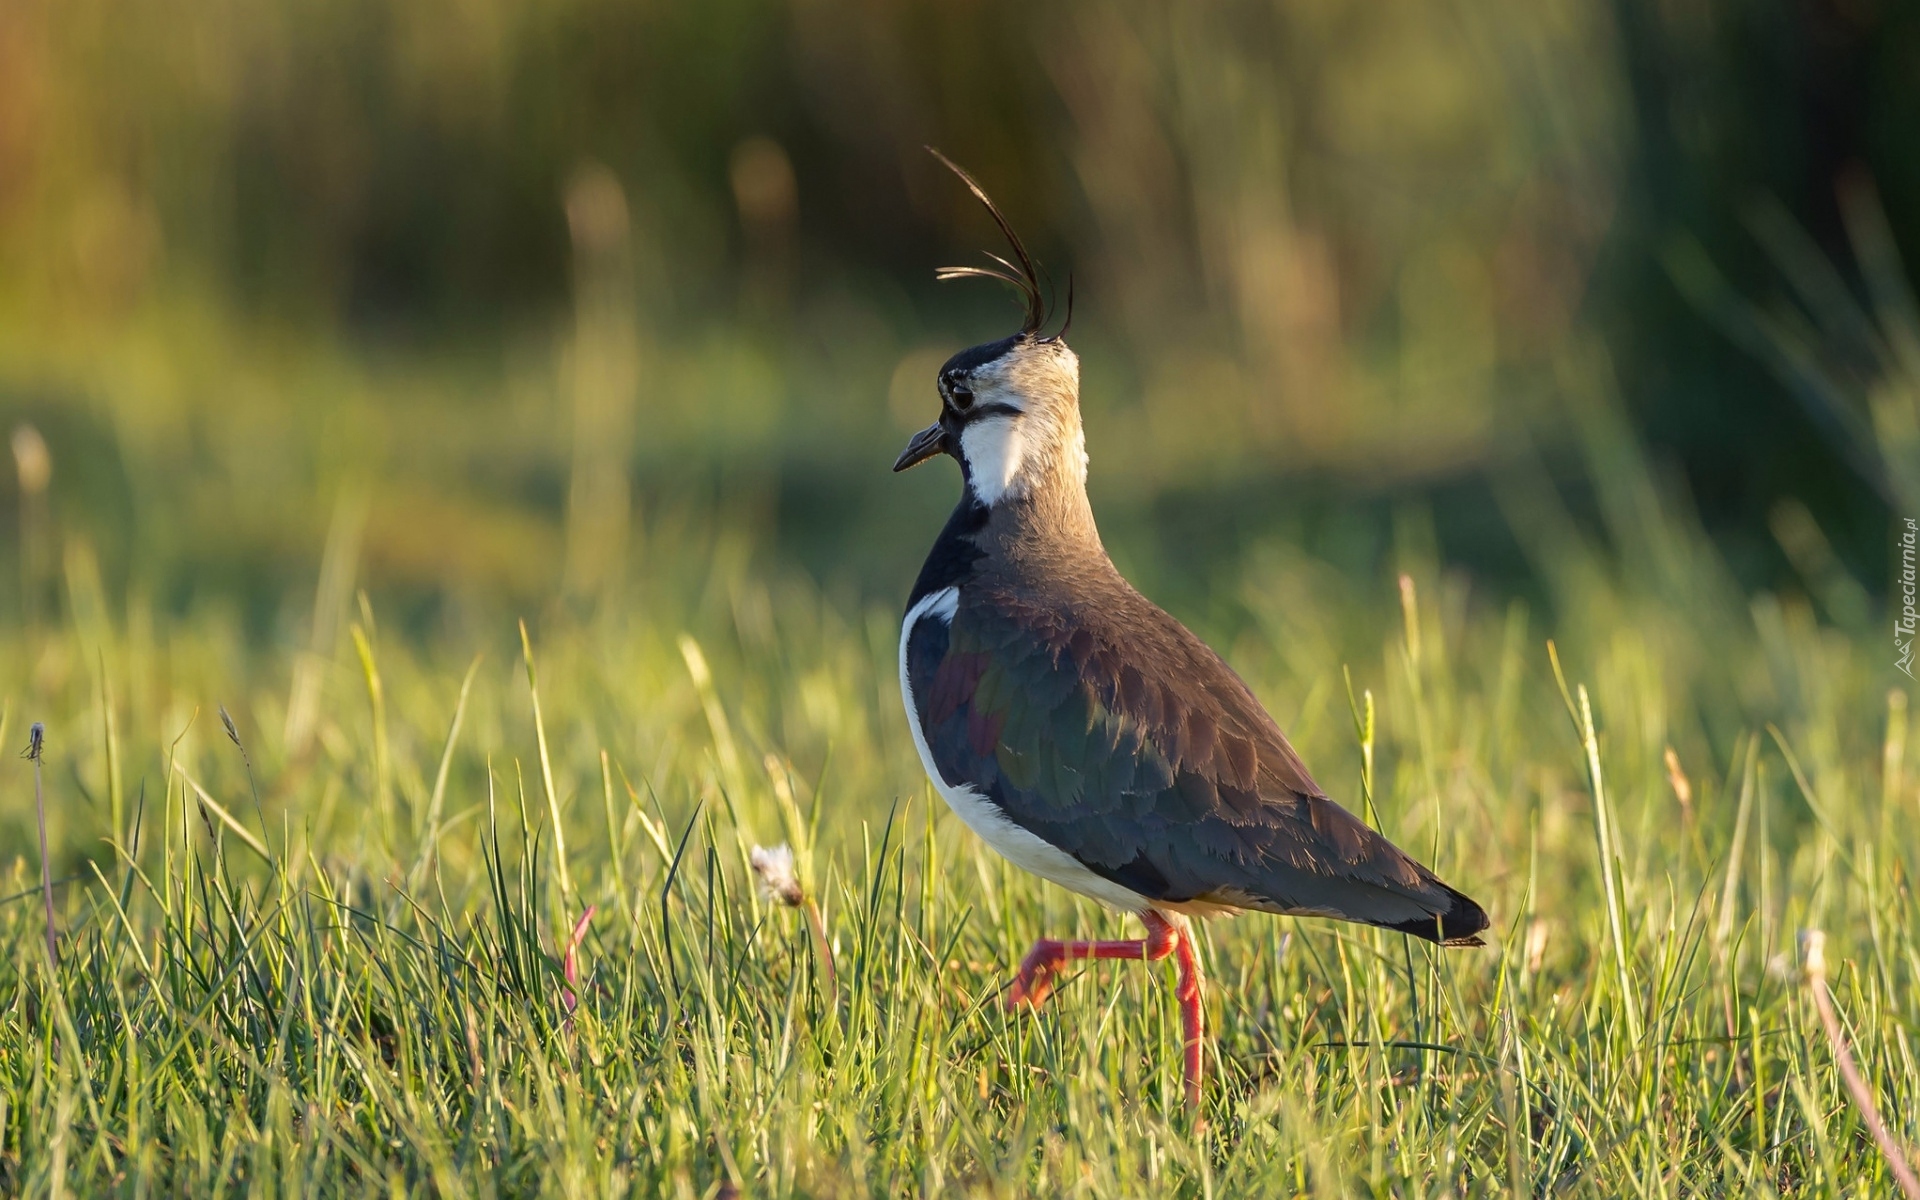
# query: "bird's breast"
924,638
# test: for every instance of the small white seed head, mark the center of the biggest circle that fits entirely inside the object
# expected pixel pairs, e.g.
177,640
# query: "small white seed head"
1813,952
778,879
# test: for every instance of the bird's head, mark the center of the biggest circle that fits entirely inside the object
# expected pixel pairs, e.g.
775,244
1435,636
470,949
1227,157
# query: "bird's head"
1009,410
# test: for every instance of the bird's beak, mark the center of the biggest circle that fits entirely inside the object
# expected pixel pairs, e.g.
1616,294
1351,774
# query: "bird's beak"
928,442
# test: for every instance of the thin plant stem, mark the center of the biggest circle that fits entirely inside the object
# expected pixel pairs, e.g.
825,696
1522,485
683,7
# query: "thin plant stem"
546,768
819,927
36,747
1581,711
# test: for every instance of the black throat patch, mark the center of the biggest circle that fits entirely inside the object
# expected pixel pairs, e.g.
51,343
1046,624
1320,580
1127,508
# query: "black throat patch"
957,551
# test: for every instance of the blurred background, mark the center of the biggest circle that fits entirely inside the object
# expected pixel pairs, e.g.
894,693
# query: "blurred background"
522,307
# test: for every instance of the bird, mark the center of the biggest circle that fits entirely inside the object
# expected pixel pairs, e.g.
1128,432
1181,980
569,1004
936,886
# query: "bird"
1084,733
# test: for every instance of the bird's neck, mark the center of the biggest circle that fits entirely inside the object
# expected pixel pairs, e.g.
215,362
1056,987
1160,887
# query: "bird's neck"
1032,538
1032,476
1042,533
1049,518
1037,526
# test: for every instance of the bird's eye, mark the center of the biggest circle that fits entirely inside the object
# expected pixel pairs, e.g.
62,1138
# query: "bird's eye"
962,397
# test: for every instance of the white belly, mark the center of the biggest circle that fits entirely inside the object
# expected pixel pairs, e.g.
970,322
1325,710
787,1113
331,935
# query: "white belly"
1023,849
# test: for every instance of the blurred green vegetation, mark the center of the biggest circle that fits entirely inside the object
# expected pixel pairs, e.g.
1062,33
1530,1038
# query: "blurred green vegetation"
485,262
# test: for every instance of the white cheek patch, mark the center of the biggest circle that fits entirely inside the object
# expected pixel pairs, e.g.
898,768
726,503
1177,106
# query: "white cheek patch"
995,450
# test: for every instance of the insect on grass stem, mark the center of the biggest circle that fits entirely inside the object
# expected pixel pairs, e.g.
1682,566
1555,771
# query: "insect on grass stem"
36,747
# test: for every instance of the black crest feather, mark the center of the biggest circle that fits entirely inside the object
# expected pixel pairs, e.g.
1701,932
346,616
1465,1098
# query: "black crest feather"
1020,273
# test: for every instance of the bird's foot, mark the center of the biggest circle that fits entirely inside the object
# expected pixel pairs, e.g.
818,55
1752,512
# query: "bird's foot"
1039,969
1034,983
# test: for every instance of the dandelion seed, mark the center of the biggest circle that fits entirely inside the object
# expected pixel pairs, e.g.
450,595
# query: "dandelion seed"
778,880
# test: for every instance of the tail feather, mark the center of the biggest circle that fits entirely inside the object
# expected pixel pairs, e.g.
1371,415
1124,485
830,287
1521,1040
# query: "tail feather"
1334,865
1426,909
1363,877
1459,925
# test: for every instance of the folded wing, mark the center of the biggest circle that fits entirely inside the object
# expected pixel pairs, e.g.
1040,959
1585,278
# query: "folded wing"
1114,734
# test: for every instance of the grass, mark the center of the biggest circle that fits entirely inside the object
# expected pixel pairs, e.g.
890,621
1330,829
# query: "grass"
349,979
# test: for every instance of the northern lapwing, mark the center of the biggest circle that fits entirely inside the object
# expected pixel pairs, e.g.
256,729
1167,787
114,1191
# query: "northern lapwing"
1085,734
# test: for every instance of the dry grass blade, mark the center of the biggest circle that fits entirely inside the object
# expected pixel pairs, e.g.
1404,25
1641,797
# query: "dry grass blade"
1813,947
226,818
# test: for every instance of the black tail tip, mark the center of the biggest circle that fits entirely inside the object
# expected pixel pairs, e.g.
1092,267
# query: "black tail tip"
1460,925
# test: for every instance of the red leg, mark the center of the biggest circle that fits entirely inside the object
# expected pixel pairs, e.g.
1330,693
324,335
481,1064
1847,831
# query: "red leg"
1193,1017
1043,963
